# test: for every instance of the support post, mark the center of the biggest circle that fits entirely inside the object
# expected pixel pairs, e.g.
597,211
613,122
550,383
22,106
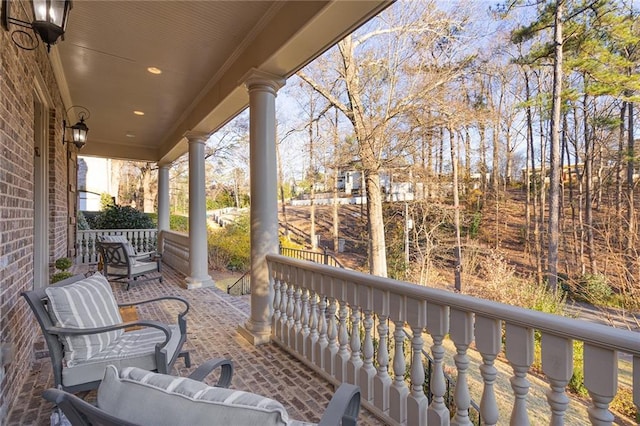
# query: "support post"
262,89
198,250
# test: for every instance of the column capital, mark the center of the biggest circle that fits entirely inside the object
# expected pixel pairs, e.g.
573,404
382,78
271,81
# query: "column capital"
258,79
197,137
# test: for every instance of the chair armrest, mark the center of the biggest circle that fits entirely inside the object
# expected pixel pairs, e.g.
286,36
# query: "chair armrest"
343,408
226,373
158,299
65,331
80,412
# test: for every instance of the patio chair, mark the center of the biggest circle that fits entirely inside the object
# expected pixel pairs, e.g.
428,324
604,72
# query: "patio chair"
136,397
121,263
83,328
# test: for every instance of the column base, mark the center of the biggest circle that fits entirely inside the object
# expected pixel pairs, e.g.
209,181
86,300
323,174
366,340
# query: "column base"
254,338
192,283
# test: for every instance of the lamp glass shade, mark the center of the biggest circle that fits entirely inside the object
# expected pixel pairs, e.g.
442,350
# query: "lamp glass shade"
79,133
50,18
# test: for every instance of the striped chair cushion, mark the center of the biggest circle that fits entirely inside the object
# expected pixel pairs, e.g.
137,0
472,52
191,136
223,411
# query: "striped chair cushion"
120,239
88,303
143,397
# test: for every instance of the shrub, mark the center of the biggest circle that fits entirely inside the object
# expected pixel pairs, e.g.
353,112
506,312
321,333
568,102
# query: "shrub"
123,217
59,276
63,263
179,223
230,247
81,221
594,289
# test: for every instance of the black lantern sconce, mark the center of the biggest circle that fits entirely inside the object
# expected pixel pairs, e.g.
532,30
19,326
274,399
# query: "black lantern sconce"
79,130
49,21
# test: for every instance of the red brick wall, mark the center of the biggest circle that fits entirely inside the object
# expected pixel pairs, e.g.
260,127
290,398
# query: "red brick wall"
19,69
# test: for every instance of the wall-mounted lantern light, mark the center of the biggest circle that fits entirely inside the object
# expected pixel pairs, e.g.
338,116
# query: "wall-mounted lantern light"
49,21
79,130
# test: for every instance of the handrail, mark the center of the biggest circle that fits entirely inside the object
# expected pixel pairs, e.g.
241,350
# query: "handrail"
324,258
143,240
571,328
313,305
244,282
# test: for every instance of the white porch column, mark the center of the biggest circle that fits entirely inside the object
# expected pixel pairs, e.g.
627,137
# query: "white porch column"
163,203
198,251
262,89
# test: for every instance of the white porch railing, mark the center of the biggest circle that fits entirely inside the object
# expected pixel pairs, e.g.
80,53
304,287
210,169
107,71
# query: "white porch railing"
337,321
175,250
143,240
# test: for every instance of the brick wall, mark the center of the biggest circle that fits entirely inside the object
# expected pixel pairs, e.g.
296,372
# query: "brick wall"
18,329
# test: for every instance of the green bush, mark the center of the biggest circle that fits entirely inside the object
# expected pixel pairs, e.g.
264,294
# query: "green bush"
81,222
179,223
59,276
230,247
63,263
123,217
595,289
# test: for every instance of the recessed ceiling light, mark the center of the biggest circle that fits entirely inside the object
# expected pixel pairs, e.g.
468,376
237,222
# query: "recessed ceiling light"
130,135
154,70
138,112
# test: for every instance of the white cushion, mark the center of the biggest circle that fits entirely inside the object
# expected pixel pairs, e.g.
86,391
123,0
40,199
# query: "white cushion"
88,303
143,397
120,239
133,348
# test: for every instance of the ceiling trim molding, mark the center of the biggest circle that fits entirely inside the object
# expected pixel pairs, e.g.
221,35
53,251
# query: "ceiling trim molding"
61,79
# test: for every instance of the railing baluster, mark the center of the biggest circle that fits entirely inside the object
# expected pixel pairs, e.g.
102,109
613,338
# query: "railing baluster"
520,351
557,365
303,333
312,339
367,370
417,402
601,380
343,339
275,319
399,391
282,327
330,364
488,341
461,326
355,362
438,327
323,340
382,380
288,330
294,331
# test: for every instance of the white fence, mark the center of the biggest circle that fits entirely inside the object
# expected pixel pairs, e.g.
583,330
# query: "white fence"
339,321
143,240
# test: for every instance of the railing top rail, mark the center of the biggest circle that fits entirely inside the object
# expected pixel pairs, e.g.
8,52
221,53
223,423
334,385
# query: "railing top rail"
102,231
595,334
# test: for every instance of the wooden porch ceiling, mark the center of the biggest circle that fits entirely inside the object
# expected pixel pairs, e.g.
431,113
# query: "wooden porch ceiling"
203,49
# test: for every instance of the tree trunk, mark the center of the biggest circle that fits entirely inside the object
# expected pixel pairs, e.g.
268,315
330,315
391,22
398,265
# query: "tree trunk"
630,249
456,212
554,179
377,255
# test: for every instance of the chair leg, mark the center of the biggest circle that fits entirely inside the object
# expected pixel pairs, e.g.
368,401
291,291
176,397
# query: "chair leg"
187,358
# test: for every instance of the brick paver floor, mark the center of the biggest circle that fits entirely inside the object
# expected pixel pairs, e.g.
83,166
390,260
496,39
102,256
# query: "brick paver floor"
212,323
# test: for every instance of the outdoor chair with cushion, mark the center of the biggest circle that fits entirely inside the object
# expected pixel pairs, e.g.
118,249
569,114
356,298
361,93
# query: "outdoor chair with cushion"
83,328
133,396
121,263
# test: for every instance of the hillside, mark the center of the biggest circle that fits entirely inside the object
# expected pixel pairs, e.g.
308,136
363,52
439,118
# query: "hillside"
498,236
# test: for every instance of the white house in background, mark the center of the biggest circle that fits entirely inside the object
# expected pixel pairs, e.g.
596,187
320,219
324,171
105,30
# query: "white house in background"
94,179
